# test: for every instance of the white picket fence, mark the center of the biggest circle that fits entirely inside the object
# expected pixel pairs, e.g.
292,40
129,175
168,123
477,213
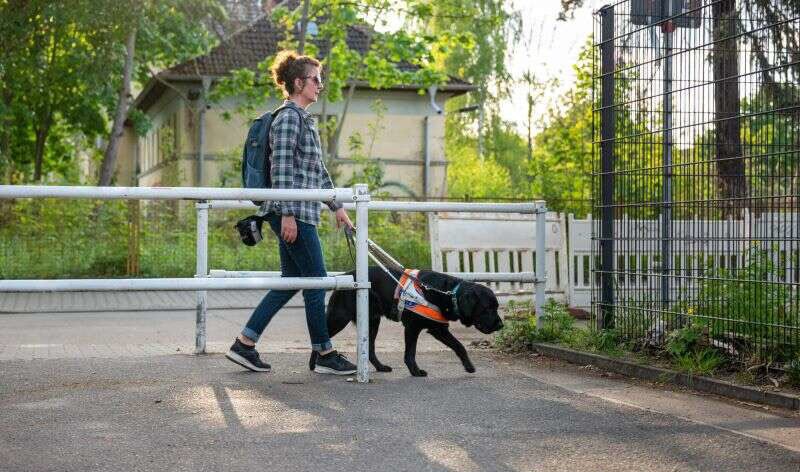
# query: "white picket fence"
504,243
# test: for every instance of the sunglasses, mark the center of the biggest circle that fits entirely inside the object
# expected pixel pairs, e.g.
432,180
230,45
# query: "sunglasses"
317,79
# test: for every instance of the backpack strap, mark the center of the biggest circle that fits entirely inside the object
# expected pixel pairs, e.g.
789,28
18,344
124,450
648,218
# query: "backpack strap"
302,122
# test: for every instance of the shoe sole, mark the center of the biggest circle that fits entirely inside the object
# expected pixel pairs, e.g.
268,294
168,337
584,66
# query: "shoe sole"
244,362
327,370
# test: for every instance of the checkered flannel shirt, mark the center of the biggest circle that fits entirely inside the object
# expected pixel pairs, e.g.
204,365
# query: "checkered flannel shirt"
297,166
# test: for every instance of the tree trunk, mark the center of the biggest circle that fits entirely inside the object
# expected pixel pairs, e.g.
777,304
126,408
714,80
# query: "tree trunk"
303,27
42,131
530,137
338,134
725,57
5,140
110,156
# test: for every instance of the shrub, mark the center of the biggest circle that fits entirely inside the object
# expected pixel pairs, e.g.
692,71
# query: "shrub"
750,304
793,372
703,361
690,352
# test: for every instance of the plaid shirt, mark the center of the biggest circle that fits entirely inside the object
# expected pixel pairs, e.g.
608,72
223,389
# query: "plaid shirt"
297,166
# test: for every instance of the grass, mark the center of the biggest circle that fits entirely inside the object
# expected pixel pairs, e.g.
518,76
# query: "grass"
686,349
50,239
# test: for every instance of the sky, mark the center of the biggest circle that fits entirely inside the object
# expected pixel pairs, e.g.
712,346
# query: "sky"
554,48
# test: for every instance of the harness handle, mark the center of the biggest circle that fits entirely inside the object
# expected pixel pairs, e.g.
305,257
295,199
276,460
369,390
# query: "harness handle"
389,260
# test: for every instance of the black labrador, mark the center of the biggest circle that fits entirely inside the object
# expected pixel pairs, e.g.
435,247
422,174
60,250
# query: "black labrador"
475,304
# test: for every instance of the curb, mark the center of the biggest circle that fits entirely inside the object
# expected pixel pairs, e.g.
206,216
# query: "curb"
696,382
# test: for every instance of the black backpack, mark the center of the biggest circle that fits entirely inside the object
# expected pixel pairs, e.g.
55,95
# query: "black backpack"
256,162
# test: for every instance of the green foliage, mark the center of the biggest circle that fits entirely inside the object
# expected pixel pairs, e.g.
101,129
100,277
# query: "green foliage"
61,70
379,65
684,340
750,303
41,238
469,177
793,372
690,352
557,323
704,361
368,170
520,330
81,238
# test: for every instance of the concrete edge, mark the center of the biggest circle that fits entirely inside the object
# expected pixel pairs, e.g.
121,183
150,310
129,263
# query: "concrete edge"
696,382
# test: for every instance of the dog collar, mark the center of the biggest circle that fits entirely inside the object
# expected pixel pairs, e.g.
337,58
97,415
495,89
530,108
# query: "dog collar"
454,298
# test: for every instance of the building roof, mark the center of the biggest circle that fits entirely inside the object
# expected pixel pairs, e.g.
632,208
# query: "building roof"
251,45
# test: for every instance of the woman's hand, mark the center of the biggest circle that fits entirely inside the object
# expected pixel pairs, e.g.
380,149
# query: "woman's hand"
342,219
288,229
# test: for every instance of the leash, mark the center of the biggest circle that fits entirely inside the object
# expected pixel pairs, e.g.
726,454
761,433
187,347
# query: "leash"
379,253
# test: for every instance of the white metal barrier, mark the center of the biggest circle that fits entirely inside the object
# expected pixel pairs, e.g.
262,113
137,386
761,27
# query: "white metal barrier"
357,198
500,243
533,240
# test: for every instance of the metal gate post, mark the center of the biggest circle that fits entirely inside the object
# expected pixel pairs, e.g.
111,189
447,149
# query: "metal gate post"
607,133
541,255
666,215
361,197
201,271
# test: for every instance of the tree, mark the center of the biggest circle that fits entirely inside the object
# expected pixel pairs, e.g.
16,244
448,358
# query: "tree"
725,60
57,94
772,49
169,31
52,75
476,36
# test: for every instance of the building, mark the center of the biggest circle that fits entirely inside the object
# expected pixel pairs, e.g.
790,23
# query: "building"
193,145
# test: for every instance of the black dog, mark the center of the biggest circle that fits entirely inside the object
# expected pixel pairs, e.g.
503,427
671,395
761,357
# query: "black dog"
474,304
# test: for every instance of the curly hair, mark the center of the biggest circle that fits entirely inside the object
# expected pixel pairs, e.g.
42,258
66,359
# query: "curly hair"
288,65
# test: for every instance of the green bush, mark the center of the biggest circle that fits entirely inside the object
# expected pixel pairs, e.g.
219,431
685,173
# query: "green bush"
793,372
684,340
557,323
703,361
750,304
690,352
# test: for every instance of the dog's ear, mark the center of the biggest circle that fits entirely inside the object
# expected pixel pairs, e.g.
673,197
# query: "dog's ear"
467,302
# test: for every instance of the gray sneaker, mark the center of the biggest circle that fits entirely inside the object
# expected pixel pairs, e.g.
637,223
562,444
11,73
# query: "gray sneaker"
247,357
334,363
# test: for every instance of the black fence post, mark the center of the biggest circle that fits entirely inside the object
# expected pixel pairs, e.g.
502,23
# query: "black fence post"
607,131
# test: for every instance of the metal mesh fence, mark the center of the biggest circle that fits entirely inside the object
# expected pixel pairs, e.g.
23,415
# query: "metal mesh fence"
696,178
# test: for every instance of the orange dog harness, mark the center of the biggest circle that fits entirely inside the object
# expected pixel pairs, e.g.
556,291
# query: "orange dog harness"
409,298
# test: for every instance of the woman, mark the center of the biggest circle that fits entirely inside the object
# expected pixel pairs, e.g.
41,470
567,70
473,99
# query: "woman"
296,165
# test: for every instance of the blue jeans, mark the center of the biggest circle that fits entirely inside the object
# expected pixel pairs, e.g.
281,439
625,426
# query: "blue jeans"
302,258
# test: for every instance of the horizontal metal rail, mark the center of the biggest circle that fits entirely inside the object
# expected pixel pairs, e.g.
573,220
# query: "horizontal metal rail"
339,282
174,193
411,206
523,277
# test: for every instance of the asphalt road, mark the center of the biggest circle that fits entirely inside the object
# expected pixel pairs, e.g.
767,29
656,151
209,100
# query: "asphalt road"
130,408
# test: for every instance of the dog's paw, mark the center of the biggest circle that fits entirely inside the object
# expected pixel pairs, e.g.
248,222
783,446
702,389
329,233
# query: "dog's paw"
383,368
470,369
419,373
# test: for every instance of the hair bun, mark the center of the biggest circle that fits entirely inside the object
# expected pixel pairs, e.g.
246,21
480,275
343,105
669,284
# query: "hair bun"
288,66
